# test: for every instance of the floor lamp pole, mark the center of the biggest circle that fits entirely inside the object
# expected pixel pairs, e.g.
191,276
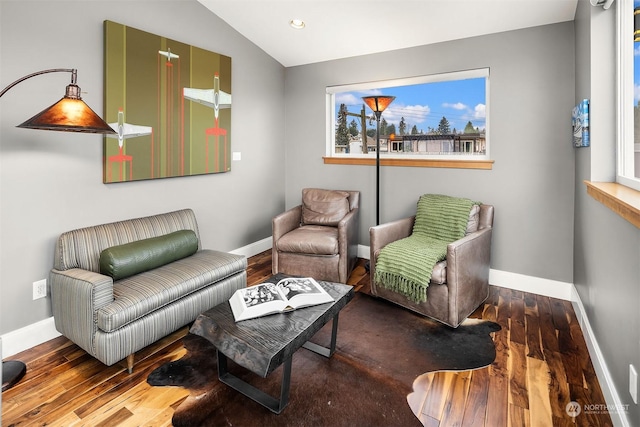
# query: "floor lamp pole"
70,114
377,104
378,167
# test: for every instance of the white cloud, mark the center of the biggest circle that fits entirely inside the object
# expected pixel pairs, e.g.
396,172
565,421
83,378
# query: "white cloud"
636,51
413,114
480,112
456,106
348,99
370,92
355,98
636,94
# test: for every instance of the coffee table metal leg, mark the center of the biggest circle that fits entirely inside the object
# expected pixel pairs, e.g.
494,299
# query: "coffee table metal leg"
257,395
325,351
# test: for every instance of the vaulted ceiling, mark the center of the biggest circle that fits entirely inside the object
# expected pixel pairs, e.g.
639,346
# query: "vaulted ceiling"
343,28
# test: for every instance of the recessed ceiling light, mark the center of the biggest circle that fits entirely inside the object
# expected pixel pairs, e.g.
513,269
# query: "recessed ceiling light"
298,24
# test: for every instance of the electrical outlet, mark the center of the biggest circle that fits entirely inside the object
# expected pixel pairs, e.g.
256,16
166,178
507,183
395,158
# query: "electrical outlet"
39,289
633,383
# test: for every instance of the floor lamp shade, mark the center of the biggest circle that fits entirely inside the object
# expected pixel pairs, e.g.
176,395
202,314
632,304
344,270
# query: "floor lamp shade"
378,103
70,114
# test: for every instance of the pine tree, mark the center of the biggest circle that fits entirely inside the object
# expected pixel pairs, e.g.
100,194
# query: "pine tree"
443,127
342,134
402,126
414,130
391,129
469,128
353,128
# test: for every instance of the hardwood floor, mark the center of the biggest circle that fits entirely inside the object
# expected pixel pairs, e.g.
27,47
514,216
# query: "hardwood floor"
542,365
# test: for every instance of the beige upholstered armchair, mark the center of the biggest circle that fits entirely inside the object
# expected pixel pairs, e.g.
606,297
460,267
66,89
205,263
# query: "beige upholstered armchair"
318,238
459,283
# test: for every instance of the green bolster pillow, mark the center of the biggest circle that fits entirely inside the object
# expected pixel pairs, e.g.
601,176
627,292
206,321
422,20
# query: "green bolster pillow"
146,254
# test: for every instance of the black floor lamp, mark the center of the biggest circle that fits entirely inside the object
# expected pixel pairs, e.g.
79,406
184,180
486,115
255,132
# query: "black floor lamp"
70,114
377,104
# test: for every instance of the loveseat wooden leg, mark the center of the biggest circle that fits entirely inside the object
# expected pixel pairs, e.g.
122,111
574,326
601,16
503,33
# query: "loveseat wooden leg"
130,362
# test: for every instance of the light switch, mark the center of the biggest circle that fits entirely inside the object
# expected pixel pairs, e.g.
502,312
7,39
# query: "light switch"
237,156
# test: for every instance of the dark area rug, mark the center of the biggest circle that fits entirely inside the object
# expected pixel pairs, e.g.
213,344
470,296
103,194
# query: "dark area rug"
381,349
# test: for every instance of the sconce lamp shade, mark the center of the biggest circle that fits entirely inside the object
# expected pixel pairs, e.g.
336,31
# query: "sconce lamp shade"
70,114
378,103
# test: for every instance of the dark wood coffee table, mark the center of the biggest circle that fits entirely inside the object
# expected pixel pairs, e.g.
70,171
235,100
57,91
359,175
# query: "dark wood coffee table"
263,344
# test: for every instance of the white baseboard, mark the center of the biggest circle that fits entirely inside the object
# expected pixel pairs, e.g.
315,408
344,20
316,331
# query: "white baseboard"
30,336
254,248
40,332
363,252
618,414
534,285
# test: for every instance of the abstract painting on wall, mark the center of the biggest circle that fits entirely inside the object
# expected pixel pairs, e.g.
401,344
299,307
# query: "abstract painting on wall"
170,104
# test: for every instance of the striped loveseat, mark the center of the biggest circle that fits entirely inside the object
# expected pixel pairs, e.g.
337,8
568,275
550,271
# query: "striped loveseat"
118,287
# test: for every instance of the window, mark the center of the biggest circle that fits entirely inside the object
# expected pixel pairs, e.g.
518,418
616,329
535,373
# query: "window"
628,168
442,116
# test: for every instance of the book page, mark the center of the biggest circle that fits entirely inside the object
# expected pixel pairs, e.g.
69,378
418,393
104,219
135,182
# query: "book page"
256,301
303,291
261,294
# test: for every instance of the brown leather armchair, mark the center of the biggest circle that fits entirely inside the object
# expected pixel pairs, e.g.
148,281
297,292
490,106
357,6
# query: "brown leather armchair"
459,284
318,238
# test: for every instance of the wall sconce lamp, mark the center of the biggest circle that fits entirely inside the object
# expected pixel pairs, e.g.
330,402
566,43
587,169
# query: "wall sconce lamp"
606,4
377,104
70,114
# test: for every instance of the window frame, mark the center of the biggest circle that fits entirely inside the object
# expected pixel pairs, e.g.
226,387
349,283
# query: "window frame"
622,196
625,96
424,160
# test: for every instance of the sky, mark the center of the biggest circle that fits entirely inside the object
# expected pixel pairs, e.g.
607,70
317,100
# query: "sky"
424,105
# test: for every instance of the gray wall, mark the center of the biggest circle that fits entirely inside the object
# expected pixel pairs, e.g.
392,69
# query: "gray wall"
532,181
607,248
52,182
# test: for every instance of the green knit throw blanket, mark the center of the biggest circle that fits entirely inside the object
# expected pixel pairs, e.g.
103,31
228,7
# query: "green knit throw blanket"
405,266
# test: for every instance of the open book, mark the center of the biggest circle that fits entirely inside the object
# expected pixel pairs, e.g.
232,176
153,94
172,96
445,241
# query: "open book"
269,298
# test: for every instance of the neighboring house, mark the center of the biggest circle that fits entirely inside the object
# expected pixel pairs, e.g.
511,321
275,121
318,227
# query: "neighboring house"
438,144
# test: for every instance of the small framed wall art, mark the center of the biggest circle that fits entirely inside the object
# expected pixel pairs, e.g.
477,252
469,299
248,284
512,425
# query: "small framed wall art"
580,124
